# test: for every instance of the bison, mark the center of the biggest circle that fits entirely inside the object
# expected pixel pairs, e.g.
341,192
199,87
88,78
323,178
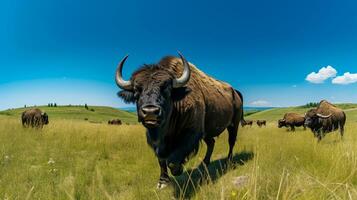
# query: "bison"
180,105
34,118
115,122
324,119
260,123
247,122
291,120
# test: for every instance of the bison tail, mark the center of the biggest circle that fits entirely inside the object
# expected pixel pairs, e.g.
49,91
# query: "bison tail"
241,97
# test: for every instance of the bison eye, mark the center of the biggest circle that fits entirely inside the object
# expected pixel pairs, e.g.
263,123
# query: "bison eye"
138,89
165,90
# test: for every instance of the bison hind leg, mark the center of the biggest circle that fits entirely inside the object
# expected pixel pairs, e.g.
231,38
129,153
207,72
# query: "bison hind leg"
232,137
342,130
210,146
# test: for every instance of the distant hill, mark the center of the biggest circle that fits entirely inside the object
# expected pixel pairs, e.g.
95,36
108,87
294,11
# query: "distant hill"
98,114
128,109
103,114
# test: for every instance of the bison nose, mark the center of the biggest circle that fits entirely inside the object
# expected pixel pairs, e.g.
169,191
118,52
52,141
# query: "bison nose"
151,110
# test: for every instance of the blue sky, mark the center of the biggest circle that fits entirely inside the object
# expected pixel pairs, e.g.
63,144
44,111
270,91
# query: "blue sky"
67,52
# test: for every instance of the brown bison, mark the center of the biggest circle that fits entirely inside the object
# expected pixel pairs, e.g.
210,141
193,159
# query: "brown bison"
260,123
324,119
180,105
291,120
34,118
247,122
115,122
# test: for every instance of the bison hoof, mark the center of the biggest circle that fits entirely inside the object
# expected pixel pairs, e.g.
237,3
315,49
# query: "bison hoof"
162,184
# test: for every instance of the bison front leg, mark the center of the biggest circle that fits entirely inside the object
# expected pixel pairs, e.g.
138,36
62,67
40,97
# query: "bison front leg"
164,177
189,145
320,135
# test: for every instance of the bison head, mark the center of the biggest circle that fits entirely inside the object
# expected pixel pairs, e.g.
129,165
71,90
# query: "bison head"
281,123
313,119
154,91
44,117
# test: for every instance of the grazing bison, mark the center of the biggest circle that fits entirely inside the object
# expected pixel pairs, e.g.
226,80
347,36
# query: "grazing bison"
260,123
34,118
115,122
324,119
247,122
291,120
180,105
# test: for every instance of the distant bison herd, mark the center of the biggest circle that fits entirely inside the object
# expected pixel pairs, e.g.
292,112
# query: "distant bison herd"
179,105
321,120
260,123
115,122
35,118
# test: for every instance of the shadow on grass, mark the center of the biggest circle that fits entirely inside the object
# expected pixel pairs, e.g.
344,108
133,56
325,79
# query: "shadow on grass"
186,185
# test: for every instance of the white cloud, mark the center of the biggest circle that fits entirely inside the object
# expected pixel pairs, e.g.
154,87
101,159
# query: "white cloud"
260,103
347,78
323,74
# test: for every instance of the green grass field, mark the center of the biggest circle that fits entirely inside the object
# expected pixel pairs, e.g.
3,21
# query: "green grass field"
75,159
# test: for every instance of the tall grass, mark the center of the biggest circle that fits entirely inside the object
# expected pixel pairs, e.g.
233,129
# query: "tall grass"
79,160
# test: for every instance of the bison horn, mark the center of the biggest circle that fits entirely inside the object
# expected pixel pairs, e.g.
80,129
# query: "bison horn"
123,84
323,116
182,81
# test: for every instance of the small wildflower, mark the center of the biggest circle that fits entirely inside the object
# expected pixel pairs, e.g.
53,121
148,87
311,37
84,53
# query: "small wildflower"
234,193
240,181
51,161
53,171
6,159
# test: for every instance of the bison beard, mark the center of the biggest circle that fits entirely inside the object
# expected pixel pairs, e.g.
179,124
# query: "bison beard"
180,105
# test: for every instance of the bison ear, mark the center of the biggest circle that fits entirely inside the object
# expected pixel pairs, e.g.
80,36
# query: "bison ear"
127,96
180,93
